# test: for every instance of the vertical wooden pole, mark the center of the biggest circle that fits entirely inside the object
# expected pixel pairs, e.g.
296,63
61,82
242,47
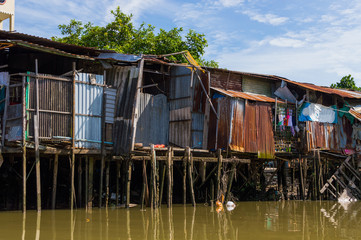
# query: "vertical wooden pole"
190,175
185,179
86,181
80,182
102,164
142,198
154,176
117,184
169,174
212,192
230,180
162,184
90,190
220,159
24,124
129,178
72,194
36,138
107,183
302,190
55,180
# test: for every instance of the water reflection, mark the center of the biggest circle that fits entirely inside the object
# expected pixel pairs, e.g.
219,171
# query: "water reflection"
250,220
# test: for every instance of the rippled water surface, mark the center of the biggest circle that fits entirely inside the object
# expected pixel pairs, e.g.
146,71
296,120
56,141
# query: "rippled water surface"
249,220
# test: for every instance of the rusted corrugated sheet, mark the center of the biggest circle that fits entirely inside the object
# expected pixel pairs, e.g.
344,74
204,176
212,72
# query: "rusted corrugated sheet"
153,122
124,79
226,80
323,136
212,127
246,95
224,122
258,130
237,141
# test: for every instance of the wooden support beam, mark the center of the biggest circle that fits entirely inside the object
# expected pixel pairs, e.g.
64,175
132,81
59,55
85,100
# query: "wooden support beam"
101,177
162,170
230,180
80,183
72,193
24,178
144,187
55,181
185,179
24,126
36,138
107,183
86,182
90,183
170,176
154,176
212,192
117,175
129,179
190,175
219,169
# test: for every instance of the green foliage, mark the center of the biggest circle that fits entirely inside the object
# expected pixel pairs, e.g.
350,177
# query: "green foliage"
347,82
122,36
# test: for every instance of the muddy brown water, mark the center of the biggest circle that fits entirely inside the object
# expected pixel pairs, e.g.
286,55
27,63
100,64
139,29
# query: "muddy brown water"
249,220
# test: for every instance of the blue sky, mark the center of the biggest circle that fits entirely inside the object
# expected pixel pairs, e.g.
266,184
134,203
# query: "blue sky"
315,41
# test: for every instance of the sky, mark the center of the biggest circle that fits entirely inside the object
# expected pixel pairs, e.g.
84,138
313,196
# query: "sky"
315,41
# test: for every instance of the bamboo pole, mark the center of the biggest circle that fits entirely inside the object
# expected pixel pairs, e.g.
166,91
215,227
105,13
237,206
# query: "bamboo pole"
80,182
220,158
169,174
190,175
36,137
117,184
90,189
185,180
55,180
154,176
129,178
107,183
230,180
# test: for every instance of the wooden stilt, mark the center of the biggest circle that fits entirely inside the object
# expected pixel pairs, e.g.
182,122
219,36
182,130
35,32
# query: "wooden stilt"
24,177
279,178
90,183
72,193
86,182
169,175
212,192
154,176
163,170
129,179
142,198
230,180
107,183
102,164
190,175
219,169
80,182
117,184
185,179
36,138
55,180
302,188
24,126
202,170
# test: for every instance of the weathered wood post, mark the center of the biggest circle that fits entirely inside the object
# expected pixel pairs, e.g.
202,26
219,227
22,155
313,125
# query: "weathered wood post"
117,184
55,180
162,170
230,180
90,189
219,169
107,183
24,142
86,181
185,178
36,138
72,193
190,175
129,179
144,186
80,182
169,175
154,176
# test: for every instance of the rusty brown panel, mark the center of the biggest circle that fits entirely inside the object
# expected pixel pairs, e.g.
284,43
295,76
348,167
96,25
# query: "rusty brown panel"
226,79
258,129
212,126
199,98
237,140
323,136
224,122
347,129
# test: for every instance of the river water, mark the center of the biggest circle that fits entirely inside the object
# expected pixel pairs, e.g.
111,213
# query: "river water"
249,220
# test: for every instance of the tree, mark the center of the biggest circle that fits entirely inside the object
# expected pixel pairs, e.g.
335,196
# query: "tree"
122,36
347,82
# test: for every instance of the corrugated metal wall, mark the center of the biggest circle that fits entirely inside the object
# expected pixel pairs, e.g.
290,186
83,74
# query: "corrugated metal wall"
124,79
88,110
258,86
54,95
187,107
237,141
153,122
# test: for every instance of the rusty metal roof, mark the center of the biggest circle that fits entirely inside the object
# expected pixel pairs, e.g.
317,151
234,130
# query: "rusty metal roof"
340,92
246,95
356,114
70,48
45,49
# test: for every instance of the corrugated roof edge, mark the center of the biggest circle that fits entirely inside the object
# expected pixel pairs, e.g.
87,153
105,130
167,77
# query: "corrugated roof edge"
340,92
75,49
247,95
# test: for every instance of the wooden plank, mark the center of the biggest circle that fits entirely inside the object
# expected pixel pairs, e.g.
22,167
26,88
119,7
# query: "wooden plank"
129,179
190,175
219,169
55,180
169,176
185,180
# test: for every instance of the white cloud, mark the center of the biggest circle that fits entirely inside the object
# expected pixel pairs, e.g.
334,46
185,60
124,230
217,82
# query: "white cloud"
286,42
265,18
230,3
